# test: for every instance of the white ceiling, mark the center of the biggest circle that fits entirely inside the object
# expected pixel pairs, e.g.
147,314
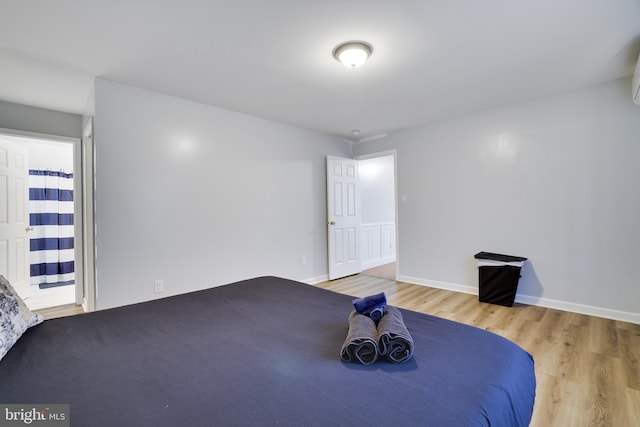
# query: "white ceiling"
432,59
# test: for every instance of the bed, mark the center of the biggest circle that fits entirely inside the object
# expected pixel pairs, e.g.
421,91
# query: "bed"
263,351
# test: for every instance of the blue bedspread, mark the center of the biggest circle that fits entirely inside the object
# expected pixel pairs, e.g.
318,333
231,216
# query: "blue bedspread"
263,351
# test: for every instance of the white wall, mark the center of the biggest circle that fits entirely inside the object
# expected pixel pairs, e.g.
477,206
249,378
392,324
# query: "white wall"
50,155
39,120
44,154
29,120
199,196
377,189
554,180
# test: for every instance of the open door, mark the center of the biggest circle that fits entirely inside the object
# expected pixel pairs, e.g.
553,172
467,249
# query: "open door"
343,217
14,216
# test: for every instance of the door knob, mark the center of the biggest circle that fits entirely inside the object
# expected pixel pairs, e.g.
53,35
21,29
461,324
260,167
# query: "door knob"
331,223
28,229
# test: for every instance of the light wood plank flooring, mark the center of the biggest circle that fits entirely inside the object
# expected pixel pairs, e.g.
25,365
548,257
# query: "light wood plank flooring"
385,271
587,368
60,311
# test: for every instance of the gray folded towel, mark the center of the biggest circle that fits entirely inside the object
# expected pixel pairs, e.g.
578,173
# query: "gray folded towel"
361,344
394,340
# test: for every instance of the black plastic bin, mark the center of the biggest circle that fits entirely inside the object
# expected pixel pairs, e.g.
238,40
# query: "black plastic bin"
498,277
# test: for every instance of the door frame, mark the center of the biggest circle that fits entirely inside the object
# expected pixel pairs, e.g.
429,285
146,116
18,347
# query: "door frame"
88,293
78,191
393,153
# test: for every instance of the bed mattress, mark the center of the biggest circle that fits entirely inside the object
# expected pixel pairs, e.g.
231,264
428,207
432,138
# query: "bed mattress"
264,351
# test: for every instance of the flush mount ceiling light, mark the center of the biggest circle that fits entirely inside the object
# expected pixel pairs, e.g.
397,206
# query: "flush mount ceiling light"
352,54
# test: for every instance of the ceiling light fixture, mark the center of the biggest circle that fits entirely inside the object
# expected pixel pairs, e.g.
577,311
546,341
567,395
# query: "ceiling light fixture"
352,54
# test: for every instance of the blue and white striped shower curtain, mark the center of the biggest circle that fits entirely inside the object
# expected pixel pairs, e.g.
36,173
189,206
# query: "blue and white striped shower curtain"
51,217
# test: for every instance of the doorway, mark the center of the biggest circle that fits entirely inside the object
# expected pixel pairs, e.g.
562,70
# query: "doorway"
378,195
362,191
51,209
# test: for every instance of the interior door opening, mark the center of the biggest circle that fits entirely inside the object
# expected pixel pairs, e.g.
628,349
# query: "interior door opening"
51,220
361,215
379,223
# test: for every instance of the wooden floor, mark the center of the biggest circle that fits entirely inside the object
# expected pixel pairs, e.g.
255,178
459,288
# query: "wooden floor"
385,271
587,368
60,311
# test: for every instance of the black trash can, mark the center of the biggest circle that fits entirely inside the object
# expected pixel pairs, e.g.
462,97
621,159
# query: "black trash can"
498,277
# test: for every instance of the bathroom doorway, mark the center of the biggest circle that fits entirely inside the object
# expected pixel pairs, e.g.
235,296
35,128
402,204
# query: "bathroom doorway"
51,208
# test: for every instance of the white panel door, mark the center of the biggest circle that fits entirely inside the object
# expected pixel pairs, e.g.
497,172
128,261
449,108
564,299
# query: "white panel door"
14,216
343,217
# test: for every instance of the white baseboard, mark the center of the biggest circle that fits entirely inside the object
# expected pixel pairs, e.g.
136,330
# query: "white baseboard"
607,313
316,280
440,285
623,316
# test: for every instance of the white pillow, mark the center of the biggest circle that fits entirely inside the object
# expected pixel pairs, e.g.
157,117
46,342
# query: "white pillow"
15,317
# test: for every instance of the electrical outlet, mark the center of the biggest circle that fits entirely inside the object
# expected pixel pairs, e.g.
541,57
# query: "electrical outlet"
303,260
158,286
